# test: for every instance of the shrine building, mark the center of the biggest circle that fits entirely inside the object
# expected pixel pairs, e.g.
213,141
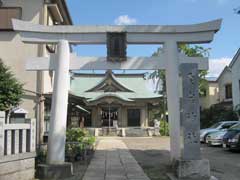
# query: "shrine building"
110,100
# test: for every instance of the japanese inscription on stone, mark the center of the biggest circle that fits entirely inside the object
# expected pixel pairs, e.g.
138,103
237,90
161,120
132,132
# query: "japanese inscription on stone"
190,118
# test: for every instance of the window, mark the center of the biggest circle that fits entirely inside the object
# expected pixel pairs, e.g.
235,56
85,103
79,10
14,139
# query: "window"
6,15
228,91
227,125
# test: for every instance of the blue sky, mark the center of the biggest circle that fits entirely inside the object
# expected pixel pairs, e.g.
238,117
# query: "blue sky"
162,12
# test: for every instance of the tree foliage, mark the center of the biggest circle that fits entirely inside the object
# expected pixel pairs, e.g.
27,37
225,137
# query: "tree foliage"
191,51
11,90
237,111
237,10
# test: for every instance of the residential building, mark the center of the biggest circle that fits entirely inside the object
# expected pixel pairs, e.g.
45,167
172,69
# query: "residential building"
225,85
235,67
14,53
219,90
211,96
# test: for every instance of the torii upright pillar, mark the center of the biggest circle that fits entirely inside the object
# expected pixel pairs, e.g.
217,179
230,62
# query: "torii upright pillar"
58,121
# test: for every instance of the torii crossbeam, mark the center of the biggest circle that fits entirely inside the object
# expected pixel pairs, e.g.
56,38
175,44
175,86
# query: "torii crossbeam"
101,63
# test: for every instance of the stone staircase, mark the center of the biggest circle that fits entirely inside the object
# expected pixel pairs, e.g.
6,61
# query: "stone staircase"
128,132
136,132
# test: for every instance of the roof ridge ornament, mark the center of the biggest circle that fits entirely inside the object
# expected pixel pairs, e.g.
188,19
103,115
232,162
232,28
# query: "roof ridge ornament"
107,86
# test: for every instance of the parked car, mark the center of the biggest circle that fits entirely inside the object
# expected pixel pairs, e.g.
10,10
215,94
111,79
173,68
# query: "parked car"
231,140
216,138
214,128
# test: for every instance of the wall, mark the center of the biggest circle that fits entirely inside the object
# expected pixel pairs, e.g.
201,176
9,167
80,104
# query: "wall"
235,82
224,79
212,95
14,53
47,75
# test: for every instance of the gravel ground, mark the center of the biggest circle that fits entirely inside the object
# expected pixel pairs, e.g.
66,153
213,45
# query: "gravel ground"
153,156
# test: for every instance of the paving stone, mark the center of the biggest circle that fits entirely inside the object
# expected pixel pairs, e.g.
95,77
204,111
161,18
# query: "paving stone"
113,161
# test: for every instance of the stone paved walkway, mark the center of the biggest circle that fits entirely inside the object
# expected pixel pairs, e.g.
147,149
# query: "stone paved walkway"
113,161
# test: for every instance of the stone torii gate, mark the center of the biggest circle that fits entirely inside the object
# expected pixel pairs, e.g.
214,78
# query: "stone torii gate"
171,60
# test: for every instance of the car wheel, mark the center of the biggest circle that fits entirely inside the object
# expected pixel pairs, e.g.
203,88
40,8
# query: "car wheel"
205,139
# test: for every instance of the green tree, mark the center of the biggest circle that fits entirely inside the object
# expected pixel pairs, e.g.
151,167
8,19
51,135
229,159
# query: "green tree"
191,51
11,90
237,111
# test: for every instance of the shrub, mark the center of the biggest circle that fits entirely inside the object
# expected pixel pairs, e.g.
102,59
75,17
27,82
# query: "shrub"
216,114
41,156
164,128
78,141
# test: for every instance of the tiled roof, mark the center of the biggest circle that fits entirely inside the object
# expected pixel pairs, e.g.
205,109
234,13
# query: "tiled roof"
140,86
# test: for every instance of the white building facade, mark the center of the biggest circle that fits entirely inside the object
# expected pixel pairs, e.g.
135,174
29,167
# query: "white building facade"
235,68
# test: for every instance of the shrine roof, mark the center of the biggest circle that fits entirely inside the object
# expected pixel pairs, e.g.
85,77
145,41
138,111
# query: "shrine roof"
135,86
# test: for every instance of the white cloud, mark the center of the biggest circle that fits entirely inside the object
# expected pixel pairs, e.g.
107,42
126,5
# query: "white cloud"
125,20
217,65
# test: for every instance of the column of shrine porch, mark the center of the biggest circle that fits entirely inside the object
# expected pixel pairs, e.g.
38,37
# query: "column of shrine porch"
94,116
124,116
143,116
120,116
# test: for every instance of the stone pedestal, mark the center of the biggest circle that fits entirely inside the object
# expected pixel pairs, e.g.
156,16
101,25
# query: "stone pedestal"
192,169
156,128
157,131
54,171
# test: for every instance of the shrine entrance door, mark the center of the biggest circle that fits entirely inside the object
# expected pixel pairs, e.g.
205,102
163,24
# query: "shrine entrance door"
109,115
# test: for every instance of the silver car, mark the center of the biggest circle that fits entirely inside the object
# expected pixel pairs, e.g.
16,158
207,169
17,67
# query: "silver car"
216,138
215,128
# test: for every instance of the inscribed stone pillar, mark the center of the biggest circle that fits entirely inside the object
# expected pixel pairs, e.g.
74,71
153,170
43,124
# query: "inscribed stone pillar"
58,121
190,165
190,116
